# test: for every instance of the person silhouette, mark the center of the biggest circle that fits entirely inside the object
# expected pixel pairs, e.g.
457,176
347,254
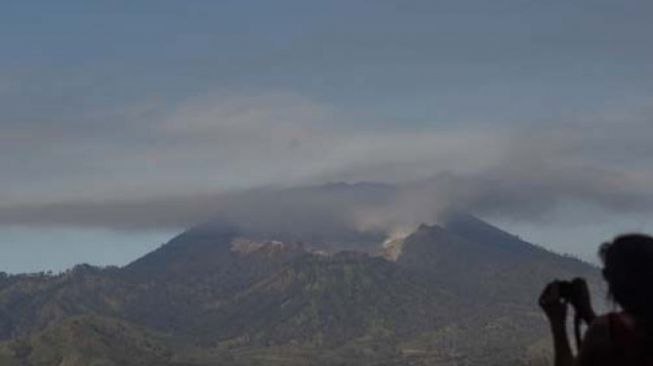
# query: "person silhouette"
622,337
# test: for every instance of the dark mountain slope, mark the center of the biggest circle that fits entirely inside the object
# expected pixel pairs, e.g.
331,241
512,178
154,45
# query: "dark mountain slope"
477,230
196,250
526,267
502,270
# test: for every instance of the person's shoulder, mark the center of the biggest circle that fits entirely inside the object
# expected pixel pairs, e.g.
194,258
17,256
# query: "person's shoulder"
596,346
598,333
602,321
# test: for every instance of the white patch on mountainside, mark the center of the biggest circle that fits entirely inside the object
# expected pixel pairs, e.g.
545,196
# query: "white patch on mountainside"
392,250
244,245
247,246
393,245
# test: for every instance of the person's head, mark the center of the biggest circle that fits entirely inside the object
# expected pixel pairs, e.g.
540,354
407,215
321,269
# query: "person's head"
628,269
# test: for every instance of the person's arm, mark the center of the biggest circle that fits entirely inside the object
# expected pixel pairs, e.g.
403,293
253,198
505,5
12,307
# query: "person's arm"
556,311
561,347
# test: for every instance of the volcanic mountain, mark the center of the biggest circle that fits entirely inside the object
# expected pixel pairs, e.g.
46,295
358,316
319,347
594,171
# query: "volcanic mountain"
462,292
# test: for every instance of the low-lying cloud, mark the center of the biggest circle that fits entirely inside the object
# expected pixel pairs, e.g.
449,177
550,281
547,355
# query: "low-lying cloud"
237,158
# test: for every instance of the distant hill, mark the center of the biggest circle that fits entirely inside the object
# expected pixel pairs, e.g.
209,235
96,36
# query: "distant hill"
462,292
88,340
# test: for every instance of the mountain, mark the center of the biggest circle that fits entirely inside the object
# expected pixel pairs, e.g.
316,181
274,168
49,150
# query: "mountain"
462,292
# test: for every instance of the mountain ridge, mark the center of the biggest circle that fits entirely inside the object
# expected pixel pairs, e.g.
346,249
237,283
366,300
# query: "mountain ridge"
235,299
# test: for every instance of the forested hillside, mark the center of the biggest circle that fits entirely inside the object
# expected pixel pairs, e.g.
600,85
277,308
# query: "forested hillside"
460,293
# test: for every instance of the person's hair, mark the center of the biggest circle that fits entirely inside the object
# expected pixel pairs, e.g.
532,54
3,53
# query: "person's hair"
628,269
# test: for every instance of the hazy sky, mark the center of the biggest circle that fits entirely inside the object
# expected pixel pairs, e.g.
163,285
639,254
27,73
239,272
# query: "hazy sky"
537,115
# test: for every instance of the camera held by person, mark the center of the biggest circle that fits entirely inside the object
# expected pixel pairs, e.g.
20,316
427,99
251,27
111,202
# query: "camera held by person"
576,293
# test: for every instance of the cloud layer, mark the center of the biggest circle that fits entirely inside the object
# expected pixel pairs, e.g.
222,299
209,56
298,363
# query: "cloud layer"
180,167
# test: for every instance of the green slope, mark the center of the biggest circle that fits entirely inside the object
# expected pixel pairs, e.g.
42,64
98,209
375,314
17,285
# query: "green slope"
88,341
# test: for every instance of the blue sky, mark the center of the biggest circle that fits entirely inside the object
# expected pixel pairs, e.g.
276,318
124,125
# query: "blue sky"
128,100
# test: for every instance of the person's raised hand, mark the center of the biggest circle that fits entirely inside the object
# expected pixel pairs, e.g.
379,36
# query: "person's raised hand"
553,305
582,300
